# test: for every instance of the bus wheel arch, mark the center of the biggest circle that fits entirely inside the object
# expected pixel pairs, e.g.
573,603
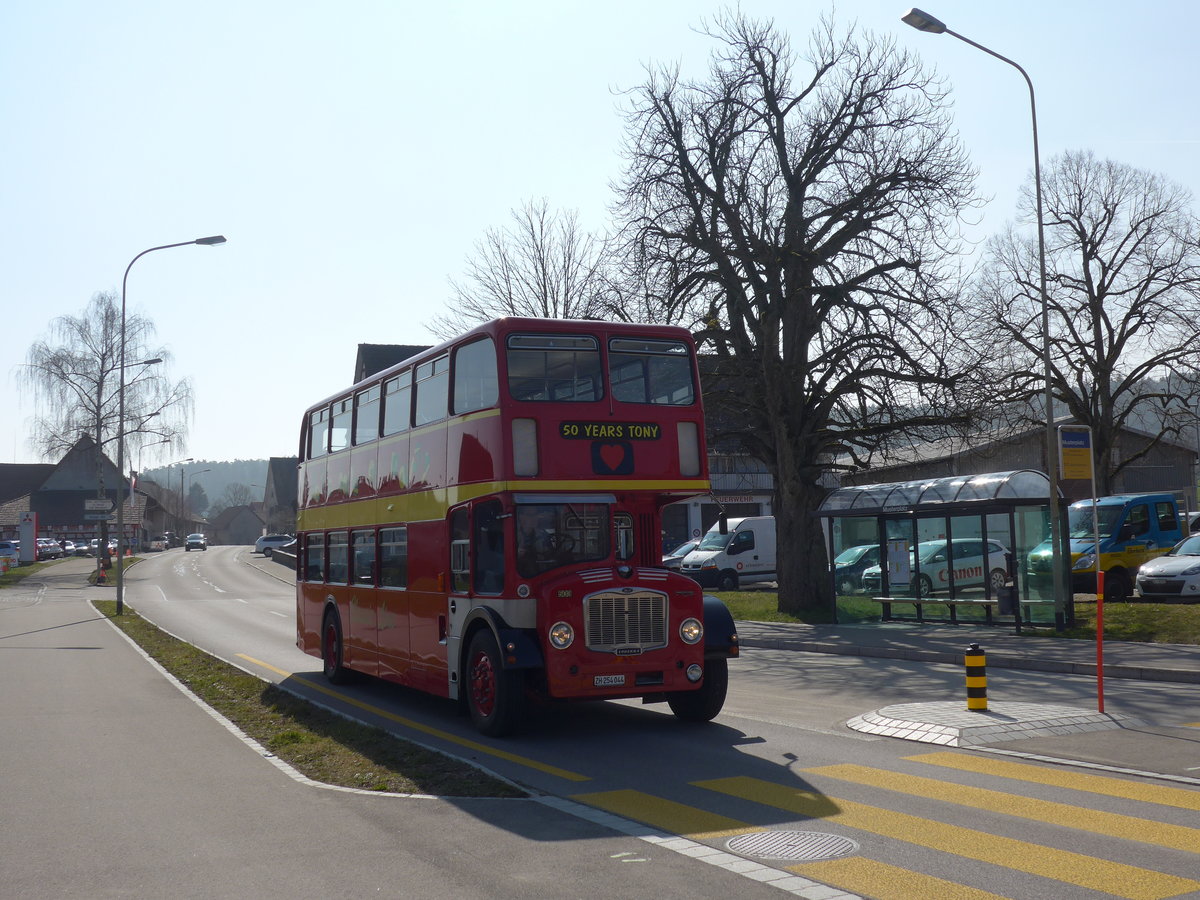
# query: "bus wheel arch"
495,695
333,647
703,704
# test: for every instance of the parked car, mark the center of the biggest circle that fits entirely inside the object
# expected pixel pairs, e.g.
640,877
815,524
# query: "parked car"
674,559
969,566
10,552
269,542
849,565
68,547
1173,576
48,549
159,543
195,542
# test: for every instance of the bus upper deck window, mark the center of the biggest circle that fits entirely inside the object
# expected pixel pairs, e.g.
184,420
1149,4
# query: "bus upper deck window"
656,372
554,368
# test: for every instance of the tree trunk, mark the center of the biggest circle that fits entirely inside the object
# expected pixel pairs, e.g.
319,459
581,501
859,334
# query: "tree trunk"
801,560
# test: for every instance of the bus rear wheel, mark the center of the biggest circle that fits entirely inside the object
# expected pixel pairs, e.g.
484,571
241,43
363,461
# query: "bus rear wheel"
703,704
495,695
332,650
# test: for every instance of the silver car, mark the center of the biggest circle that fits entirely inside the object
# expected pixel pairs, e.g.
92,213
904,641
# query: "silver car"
1173,576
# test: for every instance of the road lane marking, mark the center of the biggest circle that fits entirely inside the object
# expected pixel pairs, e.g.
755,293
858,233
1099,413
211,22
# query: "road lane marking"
525,761
884,881
1161,795
677,818
1127,828
1122,880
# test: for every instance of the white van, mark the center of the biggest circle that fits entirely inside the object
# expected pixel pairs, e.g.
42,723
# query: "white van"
744,553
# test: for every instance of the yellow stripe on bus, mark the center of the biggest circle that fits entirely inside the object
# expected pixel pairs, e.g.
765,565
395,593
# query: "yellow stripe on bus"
1119,879
431,505
424,729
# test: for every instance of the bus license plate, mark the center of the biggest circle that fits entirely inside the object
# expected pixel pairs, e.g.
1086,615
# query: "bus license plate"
608,680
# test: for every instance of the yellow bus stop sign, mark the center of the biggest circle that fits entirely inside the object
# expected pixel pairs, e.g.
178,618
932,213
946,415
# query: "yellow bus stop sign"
1075,453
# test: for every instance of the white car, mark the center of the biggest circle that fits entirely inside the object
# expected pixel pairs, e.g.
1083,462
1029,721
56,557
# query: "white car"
269,542
1173,576
931,568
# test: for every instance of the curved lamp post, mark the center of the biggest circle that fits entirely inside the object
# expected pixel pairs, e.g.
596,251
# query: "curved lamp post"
207,241
922,21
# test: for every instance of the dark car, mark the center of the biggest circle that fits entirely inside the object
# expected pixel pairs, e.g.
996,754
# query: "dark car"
674,559
848,567
195,542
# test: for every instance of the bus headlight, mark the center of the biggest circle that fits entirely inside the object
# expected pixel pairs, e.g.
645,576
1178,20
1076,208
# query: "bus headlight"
691,631
561,635
694,673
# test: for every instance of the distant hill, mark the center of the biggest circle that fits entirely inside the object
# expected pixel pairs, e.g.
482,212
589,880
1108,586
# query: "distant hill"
250,472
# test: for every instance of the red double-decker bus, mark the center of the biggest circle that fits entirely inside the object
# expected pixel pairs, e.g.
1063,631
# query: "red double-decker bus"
482,522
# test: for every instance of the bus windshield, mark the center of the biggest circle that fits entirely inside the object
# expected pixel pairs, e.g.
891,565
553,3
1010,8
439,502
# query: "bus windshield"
550,535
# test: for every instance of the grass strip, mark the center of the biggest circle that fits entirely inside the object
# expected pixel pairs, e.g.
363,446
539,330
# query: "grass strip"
322,745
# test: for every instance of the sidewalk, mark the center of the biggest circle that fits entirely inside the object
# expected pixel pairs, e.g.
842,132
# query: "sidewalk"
116,784
1040,731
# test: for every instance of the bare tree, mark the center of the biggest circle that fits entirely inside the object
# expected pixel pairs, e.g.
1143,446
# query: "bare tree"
75,377
807,230
1123,286
235,494
544,266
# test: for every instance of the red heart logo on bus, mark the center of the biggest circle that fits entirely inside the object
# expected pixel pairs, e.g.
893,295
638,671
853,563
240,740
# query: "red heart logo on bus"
613,455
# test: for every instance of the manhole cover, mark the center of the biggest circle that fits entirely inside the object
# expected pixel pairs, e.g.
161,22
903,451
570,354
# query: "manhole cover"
807,846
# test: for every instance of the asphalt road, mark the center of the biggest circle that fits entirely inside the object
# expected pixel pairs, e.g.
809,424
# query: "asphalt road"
778,763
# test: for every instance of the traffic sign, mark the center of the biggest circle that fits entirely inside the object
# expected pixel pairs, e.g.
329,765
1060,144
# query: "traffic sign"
94,503
98,517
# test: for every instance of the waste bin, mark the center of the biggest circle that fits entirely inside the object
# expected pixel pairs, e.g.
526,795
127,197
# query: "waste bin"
1006,600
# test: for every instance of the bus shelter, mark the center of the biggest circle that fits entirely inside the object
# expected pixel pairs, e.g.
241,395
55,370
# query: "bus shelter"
962,548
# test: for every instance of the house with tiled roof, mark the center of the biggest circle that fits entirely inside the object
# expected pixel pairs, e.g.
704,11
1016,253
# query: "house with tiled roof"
58,494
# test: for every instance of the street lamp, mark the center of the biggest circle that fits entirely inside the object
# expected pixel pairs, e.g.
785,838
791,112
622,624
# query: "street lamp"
922,21
207,241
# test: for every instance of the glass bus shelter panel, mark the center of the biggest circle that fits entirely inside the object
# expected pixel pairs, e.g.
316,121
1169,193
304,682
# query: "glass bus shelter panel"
1036,587
855,549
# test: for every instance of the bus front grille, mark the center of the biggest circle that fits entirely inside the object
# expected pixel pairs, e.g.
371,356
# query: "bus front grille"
633,622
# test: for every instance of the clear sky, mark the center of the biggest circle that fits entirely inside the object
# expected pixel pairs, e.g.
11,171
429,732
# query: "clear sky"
353,153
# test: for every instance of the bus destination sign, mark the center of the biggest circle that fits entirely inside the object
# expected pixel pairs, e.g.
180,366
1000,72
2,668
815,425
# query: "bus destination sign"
610,431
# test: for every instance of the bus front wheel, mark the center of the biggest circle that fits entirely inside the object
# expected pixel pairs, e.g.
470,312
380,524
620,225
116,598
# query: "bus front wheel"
332,650
703,704
494,694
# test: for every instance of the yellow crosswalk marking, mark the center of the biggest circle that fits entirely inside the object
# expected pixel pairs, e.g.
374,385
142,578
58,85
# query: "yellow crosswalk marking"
1162,795
887,882
668,815
1128,828
1119,879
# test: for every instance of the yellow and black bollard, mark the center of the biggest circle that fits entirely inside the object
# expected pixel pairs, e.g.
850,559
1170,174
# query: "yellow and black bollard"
976,678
